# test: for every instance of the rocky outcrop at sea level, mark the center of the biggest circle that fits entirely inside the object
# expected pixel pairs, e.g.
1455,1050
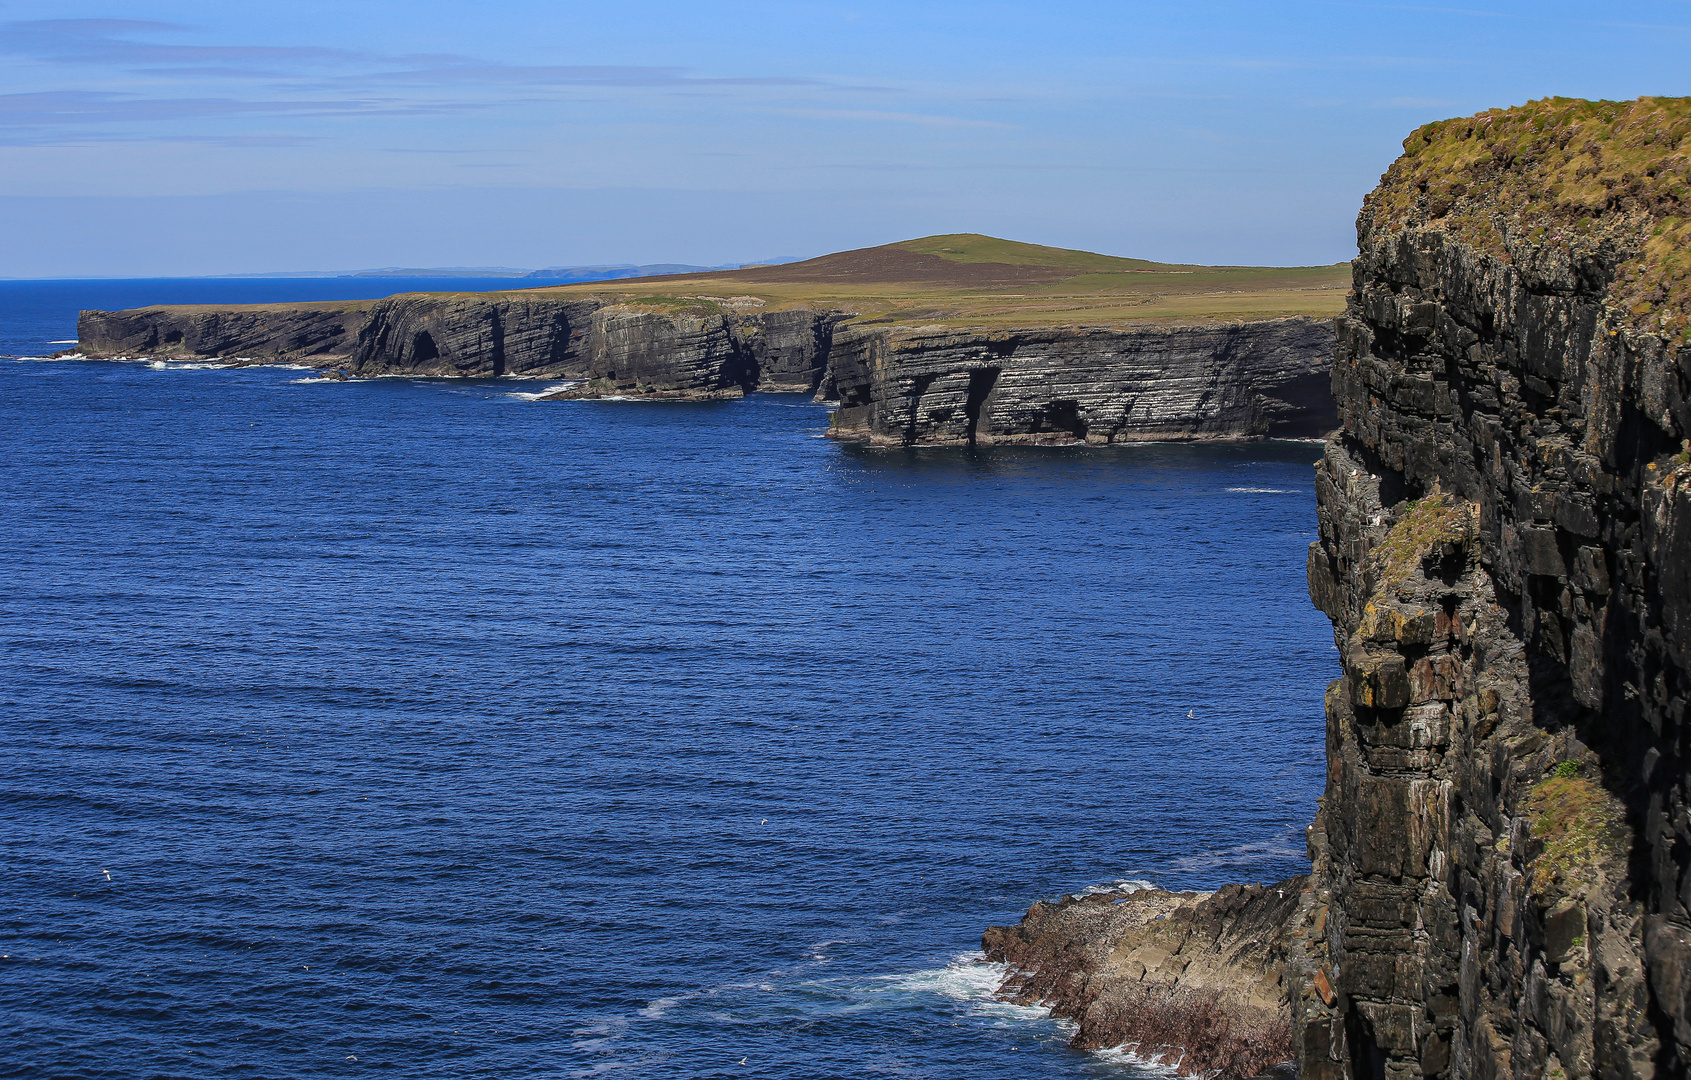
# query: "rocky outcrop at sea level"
1190,981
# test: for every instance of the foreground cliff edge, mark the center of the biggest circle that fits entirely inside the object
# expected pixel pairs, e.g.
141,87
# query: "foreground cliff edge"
949,340
1501,864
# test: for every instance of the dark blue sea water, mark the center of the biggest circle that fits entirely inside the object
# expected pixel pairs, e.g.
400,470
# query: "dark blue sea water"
417,727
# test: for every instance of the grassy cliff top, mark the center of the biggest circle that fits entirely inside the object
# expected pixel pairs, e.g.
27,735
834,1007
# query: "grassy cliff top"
1586,175
966,280
962,281
975,248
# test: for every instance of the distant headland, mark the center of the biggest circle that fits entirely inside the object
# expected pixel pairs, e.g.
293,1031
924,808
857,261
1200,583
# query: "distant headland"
559,274
959,339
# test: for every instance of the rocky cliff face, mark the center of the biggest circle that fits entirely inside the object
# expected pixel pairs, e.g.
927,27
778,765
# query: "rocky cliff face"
896,387
698,349
938,387
1503,856
303,332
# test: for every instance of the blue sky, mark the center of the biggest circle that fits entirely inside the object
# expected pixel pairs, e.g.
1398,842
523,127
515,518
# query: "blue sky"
151,138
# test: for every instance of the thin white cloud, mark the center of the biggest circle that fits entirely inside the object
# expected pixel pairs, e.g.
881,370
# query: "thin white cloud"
301,81
1288,64
50,116
116,42
443,74
109,42
1535,16
1478,13
885,116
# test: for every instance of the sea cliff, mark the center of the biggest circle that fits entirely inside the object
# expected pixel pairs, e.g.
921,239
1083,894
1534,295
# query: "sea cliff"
936,386
932,386
691,349
949,340
1501,861
1505,555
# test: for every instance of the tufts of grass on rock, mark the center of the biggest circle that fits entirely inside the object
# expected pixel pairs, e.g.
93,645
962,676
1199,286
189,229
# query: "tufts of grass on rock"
1425,526
1582,175
696,306
1581,829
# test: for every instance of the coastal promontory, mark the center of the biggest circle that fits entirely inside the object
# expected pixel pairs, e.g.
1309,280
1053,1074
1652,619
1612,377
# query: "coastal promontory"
948,340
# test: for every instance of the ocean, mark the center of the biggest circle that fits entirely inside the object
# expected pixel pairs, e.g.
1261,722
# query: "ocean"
420,727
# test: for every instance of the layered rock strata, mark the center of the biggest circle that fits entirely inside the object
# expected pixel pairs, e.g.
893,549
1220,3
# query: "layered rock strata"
1195,981
939,387
699,349
1503,852
896,387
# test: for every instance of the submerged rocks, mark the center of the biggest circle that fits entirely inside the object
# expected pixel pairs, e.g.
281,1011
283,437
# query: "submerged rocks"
1193,980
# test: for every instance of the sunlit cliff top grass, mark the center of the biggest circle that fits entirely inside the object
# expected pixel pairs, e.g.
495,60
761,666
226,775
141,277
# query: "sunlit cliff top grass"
967,281
1563,171
964,281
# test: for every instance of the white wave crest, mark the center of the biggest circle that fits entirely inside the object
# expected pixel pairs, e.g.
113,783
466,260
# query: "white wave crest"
969,977
538,394
1145,1060
1124,886
1261,491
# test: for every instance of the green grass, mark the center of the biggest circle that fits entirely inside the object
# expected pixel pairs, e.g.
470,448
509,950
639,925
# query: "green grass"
1426,524
1580,827
975,248
1098,291
1103,291
677,305
1564,172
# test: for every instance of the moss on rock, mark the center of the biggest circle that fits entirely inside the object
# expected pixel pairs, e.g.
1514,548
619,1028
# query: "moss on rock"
1426,525
1580,827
